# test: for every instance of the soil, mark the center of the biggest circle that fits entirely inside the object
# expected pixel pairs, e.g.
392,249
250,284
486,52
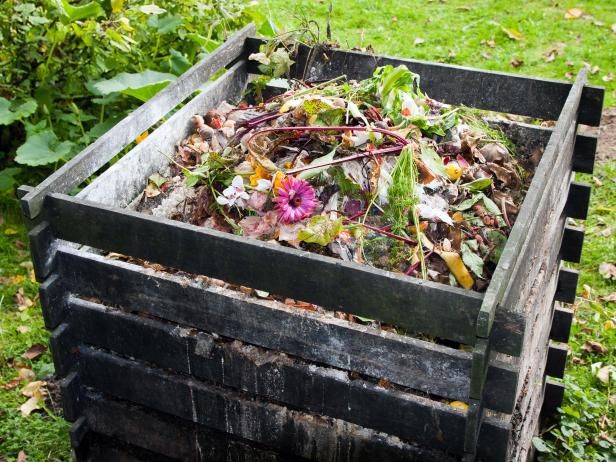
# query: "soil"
606,150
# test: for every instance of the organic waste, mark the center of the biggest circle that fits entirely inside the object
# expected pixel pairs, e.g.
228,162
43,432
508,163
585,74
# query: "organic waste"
370,171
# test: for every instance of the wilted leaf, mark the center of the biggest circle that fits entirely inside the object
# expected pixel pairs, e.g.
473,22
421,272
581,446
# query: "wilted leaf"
26,374
574,13
516,62
31,405
142,85
609,325
418,41
594,347
433,161
603,373
23,329
478,185
610,298
35,351
22,301
318,165
512,33
472,260
608,77
457,268
21,457
320,230
607,270
43,148
34,389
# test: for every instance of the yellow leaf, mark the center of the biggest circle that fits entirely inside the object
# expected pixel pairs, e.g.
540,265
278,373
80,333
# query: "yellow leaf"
459,405
574,13
141,137
10,231
26,374
29,406
608,325
116,5
512,33
456,266
34,389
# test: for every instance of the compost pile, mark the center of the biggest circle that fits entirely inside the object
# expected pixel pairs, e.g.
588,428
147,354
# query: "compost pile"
371,171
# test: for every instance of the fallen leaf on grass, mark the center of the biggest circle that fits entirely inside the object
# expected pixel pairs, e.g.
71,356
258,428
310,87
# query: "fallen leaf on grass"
609,325
603,373
608,77
512,33
10,231
22,301
486,55
594,347
516,62
31,405
21,457
34,351
418,41
614,28
23,329
36,392
26,374
610,298
586,291
11,384
607,270
574,13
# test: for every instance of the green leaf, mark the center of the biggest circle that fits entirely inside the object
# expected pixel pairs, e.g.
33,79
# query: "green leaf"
316,164
142,85
491,206
540,445
9,115
178,62
165,24
498,241
468,203
43,148
157,179
320,230
7,178
76,13
433,161
472,260
478,185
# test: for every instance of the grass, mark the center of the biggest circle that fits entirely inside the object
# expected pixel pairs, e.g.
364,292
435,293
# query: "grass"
454,32
471,33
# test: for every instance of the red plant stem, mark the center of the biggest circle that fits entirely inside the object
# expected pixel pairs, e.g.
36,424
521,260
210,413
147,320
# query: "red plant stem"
414,267
339,128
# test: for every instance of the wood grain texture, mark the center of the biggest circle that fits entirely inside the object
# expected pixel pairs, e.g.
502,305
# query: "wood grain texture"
419,306
490,90
96,155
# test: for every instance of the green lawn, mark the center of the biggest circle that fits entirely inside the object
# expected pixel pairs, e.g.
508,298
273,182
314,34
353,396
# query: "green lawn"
466,33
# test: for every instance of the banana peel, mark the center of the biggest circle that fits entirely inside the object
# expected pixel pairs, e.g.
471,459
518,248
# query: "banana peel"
454,263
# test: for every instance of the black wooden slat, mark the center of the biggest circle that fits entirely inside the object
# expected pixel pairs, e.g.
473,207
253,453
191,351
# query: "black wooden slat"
100,448
490,90
572,243
92,158
420,306
144,432
584,154
567,285
42,249
272,376
578,200
553,397
291,432
557,360
52,295
561,324
61,344
409,362
71,397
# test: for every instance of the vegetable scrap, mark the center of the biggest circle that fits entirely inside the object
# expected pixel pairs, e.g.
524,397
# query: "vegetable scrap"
373,172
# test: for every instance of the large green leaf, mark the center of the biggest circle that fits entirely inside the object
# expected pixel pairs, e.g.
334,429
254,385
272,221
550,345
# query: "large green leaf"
9,115
165,24
142,85
43,148
76,13
320,230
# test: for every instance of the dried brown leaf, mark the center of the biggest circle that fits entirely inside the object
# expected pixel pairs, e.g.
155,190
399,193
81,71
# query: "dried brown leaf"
31,405
607,270
610,298
516,62
22,301
21,457
34,351
574,13
594,347
608,77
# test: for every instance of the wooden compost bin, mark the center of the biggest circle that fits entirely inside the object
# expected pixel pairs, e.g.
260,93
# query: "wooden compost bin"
159,366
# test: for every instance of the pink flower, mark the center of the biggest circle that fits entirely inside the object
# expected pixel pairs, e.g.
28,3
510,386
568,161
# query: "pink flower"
295,200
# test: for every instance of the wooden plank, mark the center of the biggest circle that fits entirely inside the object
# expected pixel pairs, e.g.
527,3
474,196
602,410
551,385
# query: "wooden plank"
61,344
567,285
270,375
490,90
42,248
557,360
535,198
572,243
290,432
96,155
128,177
584,154
144,432
553,398
325,339
99,448
578,200
52,295
419,306
71,397
561,324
